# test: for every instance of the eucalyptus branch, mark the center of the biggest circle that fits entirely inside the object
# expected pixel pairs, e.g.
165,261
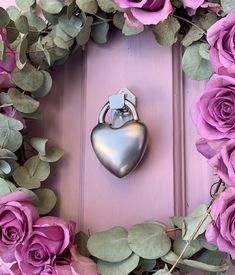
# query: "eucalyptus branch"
189,22
190,240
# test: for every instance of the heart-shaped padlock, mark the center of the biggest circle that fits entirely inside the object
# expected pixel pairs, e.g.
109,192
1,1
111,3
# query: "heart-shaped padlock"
119,149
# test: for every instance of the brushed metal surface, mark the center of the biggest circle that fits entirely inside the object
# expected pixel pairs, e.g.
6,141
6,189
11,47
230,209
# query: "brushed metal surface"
120,149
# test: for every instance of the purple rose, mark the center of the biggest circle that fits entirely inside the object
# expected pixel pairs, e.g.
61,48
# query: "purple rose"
7,65
50,238
221,231
16,218
193,5
214,110
221,37
221,156
147,12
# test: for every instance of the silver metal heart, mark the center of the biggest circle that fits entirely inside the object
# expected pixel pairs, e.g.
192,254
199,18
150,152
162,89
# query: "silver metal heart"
120,149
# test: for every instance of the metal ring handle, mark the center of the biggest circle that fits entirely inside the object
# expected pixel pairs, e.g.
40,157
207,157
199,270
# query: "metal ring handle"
106,107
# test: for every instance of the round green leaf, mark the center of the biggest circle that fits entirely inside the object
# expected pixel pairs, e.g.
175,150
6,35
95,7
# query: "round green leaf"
13,12
4,17
149,240
5,167
70,26
110,245
24,4
88,6
52,155
47,200
120,268
51,6
39,144
107,5
23,103
22,178
37,168
99,32
7,154
22,24
179,244
6,187
28,79
36,21
194,65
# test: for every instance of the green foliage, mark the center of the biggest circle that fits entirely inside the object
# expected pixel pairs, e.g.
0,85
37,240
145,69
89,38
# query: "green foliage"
166,32
47,200
149,240
194,65
4,17
88,6
99,32
81,240
110,245
120,268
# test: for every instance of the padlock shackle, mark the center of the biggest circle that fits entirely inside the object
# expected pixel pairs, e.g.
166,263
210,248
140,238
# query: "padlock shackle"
106,108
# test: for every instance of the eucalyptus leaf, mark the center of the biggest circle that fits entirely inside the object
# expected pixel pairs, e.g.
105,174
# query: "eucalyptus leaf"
51,6
205,244
13,12
84,34
99,32
166,32
22,178
6,187
39,144
7,154
120,268
147,265
37,168
107,5
227,5
88,6
128,31
204,51
46,86
70,26
24,4
194,34
119,20
52,155
35,200
179,245
22,24
22,103
164,271
10,137
110,245
61,43
12,32
21,49
149,240
81,240
5,167
177,221
28,79
192,221
194,65
4,17
47,200
35,21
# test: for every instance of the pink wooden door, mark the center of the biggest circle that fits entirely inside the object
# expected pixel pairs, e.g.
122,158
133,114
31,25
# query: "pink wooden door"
172,179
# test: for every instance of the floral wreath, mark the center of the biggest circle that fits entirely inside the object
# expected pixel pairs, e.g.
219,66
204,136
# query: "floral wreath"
31,241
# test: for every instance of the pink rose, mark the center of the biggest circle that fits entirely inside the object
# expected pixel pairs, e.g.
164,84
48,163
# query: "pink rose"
50,238
7,65
221,231
147,12
221,155
221,37
214,110
193,5
16,218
